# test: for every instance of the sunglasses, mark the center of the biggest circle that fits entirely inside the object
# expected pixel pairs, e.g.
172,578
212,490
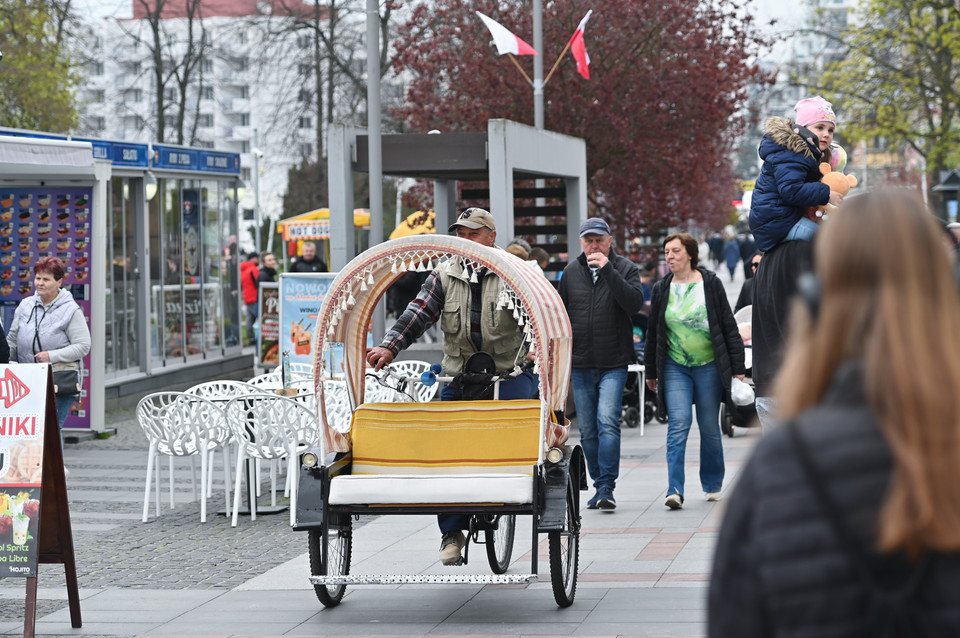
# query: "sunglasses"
755,265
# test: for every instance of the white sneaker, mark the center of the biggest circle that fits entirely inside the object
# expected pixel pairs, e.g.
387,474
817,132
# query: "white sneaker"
713,496
674,502
450,548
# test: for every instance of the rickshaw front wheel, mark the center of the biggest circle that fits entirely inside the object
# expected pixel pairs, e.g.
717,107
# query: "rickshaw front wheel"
499,537
339,546
565,549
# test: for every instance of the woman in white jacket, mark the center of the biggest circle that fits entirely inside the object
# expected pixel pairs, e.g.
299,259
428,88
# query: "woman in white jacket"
49,327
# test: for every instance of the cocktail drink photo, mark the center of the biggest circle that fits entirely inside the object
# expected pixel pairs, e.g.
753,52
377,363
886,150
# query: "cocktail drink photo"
20,524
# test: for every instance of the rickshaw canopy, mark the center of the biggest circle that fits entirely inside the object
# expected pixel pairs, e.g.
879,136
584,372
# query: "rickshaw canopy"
348,306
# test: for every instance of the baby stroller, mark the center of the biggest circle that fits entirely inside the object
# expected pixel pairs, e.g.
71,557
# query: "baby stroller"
630,412
745,416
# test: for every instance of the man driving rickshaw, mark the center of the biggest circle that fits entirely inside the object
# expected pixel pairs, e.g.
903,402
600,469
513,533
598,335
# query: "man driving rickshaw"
464,302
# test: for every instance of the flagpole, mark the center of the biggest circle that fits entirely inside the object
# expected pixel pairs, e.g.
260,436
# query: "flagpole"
520,68
557,63
538,64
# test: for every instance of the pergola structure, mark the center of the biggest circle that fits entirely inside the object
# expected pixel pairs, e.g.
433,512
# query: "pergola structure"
506,152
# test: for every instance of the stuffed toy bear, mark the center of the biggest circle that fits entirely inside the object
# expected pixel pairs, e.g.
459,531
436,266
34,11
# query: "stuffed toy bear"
838,182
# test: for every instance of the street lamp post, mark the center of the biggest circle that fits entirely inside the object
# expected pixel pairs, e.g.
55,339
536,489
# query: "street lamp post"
257,154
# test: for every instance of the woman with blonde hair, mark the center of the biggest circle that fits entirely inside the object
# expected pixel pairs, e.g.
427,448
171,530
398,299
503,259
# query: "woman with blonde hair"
846,519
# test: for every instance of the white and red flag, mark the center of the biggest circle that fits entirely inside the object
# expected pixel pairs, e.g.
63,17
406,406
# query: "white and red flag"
504,38
579,48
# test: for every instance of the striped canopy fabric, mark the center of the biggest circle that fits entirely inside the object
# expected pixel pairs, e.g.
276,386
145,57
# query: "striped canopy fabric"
350,301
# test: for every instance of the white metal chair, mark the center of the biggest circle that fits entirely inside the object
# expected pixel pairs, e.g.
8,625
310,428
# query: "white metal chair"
271,379
414,368
270,427
297,371
338,404
180,424
221,390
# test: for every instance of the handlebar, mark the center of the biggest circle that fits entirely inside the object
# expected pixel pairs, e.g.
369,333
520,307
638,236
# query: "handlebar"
432,376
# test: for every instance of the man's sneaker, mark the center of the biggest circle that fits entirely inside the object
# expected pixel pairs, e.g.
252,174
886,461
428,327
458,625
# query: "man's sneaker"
606,502
674,501
713,496
592,503
450,548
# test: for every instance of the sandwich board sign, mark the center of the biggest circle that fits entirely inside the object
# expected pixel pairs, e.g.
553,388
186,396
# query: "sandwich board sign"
34,513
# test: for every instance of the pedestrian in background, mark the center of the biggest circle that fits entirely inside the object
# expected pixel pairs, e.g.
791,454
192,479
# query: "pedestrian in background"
601,291
731,254
846,519
249,272
746,290
48,327
309,262
268,269
693,350
748,248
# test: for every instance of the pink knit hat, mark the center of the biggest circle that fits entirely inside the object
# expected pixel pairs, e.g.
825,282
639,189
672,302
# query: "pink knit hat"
814,109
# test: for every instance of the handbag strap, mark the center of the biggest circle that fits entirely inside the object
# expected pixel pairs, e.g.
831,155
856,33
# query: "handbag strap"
851,545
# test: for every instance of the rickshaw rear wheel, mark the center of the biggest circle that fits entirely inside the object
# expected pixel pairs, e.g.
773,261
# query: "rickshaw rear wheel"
565,549
499,537
339,543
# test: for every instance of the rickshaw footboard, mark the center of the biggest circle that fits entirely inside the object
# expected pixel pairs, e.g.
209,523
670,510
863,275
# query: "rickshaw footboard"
424,579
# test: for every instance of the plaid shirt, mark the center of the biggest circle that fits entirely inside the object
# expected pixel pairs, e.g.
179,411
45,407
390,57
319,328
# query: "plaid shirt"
421,313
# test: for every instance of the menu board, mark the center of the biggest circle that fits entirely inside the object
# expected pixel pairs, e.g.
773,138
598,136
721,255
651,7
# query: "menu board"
268,339
300,298
37,222
24,400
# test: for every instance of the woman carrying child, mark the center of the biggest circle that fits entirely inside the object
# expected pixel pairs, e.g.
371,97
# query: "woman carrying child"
789,181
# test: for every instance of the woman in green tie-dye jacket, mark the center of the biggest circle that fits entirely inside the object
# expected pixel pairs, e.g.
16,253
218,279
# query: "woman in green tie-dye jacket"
693,350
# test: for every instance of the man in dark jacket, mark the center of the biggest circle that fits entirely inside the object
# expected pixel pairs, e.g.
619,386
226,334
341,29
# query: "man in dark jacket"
309,262
268,268
601,291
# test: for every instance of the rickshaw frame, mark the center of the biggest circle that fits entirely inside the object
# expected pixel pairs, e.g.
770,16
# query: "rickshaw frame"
559,473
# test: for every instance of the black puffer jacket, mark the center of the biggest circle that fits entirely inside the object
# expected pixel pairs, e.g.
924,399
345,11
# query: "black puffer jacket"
779,569
727,344
600,313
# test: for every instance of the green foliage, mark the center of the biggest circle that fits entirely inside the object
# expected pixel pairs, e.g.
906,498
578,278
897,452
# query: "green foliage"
899,77
37,76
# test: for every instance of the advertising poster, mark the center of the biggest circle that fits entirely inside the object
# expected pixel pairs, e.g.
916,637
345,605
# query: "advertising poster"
300,298
24,400
41,221
268,340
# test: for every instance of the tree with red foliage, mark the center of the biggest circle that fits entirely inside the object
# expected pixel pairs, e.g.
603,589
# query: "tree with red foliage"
660,114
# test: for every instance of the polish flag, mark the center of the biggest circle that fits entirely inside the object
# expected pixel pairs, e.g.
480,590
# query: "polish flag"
579,48
504,39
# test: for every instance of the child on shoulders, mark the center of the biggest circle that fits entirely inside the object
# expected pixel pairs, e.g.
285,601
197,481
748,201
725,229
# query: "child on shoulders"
789,181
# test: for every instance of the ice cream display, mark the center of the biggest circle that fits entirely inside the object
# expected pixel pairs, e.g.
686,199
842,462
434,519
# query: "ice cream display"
34,221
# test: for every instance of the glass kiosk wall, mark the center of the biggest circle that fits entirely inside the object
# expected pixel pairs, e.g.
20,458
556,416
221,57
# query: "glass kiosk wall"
171,288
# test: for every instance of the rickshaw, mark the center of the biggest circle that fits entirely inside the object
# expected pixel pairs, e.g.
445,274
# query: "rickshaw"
492,459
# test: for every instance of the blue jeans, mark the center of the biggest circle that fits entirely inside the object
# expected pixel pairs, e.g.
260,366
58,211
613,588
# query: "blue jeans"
598,395
523,387
804,229
64,403
684,388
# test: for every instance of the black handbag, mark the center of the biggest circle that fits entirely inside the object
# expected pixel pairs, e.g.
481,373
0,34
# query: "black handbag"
66,380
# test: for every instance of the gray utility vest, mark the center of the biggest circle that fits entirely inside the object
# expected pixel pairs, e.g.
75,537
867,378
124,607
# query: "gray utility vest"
502,337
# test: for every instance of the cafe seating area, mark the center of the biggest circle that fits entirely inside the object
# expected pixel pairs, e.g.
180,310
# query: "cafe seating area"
265,421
